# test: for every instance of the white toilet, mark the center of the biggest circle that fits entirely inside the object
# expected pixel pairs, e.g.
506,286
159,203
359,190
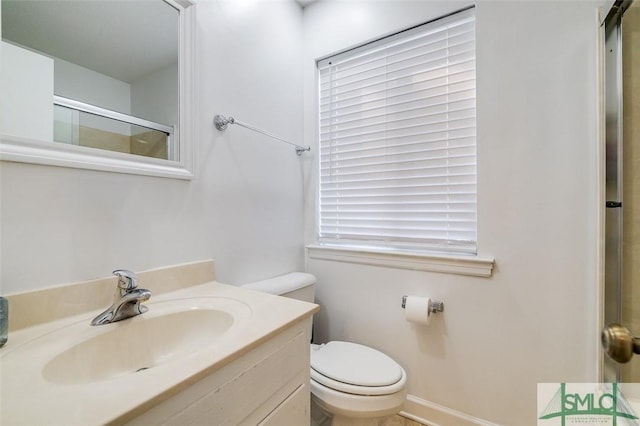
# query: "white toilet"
350,382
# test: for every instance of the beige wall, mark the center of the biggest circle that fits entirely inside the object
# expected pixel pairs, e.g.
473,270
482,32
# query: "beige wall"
149,144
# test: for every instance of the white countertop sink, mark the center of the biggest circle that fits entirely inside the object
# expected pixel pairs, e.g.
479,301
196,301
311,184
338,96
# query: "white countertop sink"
169,331
69,372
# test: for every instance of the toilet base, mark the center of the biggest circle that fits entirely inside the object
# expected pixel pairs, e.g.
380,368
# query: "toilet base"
319,417
356,406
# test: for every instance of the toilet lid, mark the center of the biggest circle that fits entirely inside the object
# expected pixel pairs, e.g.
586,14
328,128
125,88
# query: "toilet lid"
355,364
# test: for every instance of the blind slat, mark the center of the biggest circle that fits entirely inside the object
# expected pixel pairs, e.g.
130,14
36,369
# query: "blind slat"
427,114
419,136
431,61
406,105
435,178
428,40
415,150
428,79
429,97
442,125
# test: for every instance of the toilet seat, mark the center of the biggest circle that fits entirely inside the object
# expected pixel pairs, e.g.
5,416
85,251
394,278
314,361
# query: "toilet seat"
356,369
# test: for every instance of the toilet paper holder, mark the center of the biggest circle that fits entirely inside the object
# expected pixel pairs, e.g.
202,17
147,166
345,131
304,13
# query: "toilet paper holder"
435,306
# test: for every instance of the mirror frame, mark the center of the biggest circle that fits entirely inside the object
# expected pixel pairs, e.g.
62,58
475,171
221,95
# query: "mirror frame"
25,150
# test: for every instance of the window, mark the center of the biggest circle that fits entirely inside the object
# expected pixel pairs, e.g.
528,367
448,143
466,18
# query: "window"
397,141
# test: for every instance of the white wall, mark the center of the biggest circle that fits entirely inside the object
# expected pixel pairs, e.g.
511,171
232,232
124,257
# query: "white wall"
156,96
26,88
244,207
535,319
85,85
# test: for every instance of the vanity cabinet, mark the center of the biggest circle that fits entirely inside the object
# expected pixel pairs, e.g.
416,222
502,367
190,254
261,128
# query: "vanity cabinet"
267,385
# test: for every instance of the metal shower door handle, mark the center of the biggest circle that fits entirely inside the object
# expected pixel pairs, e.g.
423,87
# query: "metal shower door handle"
618,343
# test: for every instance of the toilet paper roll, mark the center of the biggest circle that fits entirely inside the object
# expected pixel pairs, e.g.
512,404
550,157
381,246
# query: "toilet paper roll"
418,310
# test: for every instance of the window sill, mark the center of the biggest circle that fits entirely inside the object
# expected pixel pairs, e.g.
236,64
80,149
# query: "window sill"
461,265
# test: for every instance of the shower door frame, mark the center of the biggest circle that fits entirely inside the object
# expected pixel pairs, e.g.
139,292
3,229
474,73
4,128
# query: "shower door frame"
613,177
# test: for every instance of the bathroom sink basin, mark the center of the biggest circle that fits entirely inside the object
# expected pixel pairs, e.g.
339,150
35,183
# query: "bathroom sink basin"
174,331
142,369
171,331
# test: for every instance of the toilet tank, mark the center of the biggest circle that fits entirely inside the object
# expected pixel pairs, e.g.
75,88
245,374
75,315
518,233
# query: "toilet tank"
295,285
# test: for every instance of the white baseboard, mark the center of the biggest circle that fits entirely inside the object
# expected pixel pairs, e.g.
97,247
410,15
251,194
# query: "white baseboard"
432,414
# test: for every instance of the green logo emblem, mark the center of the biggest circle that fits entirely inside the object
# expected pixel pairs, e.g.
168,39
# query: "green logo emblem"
588,403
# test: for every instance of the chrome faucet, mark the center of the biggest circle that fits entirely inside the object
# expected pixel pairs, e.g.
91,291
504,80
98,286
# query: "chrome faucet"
126,302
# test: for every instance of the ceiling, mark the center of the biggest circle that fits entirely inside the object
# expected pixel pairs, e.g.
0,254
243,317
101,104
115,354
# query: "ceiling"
122,39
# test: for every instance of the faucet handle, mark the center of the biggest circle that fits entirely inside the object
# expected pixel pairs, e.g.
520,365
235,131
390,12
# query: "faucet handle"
127,280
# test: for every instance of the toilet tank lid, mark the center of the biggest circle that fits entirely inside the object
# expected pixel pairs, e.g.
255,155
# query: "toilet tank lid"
283,284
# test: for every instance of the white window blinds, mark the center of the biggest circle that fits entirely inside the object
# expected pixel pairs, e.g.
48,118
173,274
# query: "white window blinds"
397,141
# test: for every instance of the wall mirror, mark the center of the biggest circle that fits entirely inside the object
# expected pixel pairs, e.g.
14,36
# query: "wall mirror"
97,84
